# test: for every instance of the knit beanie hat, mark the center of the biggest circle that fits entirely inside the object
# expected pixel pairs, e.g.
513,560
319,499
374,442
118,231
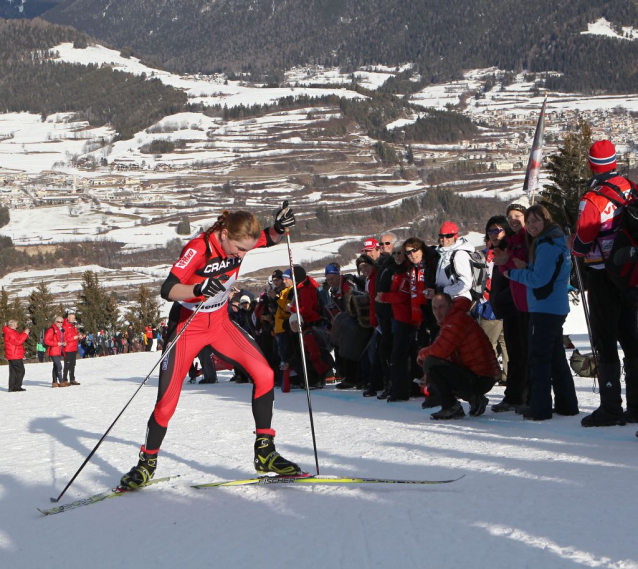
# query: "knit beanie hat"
519,204
602,157
331,269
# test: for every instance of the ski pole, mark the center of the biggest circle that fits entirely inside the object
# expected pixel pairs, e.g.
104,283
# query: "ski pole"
301,346
581,288
164,354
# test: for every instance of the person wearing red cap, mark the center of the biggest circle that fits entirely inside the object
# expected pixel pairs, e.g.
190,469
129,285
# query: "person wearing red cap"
613,316
371,248
454,271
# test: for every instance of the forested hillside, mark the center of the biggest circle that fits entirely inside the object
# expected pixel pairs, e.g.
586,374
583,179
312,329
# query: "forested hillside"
25,8
442,37
31,81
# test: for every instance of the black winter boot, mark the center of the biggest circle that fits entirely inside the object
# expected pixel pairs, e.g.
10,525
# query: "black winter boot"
631,389
141,474
610,411
267,459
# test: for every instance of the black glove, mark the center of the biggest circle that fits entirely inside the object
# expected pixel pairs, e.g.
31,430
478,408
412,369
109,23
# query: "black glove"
209,287
284,219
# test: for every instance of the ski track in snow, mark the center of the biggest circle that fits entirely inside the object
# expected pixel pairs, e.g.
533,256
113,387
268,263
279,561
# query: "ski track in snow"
548,494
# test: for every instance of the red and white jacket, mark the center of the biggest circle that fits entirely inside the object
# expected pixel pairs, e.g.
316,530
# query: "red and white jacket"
400,298
598,220
194,267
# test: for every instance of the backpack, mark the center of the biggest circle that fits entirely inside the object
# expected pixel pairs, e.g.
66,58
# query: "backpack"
479,272
625,276
583,364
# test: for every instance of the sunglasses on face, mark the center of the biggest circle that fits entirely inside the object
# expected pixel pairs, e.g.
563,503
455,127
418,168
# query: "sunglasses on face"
410,251
494,231
397,253
446,235
59,321
386,242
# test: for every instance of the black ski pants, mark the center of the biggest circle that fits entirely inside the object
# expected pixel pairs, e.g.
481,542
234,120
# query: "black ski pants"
69,365
208,367
385,344
614,320
404,335
454,381
16,374
516,330
548,367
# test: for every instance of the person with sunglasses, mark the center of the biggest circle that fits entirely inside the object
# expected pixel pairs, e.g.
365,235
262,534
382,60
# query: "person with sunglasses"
422,261
54,341
454,269
202,279
517,391
497,285
383,339
546,277
404,327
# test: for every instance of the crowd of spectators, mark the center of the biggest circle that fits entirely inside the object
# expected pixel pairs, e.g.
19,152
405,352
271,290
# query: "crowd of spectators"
64,341
445,321
451,320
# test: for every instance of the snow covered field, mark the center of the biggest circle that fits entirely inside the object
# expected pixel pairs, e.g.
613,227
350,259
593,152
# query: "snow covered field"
548,494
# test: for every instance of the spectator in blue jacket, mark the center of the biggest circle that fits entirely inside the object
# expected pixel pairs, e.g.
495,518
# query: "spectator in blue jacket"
546,278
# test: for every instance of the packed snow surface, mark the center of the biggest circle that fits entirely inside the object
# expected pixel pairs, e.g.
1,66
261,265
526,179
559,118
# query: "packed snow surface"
534,494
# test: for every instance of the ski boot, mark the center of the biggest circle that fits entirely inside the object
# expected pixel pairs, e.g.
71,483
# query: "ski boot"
141,474
267,459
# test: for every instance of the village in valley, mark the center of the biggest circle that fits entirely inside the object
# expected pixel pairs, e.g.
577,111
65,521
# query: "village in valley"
80,182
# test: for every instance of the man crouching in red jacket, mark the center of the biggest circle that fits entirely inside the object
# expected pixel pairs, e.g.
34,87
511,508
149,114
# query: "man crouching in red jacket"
14,352
461,362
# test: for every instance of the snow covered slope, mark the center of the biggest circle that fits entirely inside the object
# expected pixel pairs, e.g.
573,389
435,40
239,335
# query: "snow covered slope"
548,494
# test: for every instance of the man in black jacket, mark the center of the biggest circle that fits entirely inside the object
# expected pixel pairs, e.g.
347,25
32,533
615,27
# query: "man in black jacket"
386,268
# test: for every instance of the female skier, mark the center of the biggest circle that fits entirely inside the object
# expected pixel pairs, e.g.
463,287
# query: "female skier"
206,271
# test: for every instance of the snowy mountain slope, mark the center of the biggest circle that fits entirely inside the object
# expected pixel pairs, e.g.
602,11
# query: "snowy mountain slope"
546,494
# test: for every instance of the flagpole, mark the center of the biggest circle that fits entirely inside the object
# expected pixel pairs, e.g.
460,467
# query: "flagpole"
532,174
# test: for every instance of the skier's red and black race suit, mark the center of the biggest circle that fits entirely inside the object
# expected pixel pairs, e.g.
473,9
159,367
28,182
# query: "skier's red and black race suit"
211,326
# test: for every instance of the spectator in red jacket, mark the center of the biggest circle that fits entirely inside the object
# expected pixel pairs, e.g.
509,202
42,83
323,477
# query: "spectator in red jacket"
14,352
148,331
461,361
317,350
308,297
54,341
71,337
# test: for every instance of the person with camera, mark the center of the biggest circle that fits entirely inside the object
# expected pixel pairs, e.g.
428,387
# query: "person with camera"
54,341
14,353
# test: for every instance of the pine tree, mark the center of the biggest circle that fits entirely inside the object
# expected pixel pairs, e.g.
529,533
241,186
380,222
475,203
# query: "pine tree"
112,313
42,312
144,311
93,305
569,175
